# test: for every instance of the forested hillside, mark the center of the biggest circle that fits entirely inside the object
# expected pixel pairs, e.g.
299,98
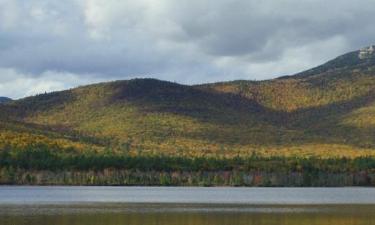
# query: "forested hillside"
324,113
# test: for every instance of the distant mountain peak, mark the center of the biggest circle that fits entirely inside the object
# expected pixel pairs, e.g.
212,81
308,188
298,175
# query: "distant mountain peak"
366,52
5,100
359,60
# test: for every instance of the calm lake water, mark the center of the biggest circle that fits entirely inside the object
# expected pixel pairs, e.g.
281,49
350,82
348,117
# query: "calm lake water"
185,206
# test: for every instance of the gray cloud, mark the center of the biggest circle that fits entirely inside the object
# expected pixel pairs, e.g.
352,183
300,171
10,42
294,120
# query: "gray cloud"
187,41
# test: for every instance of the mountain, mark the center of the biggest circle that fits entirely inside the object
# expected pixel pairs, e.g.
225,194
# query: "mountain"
363,59
328,111
4,100
338,80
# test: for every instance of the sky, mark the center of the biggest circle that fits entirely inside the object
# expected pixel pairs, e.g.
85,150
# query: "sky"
49,45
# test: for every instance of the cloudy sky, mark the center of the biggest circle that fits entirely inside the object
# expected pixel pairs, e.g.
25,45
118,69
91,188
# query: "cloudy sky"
48,45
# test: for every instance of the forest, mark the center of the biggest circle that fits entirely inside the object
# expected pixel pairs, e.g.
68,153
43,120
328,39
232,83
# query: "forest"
41,164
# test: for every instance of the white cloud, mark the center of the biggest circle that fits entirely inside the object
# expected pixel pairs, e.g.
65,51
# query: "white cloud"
17,85
187,41
9,14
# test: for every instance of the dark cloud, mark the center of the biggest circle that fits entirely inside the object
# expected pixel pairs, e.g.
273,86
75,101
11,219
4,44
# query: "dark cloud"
186,41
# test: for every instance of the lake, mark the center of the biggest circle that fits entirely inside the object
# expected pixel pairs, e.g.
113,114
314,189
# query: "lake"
24,205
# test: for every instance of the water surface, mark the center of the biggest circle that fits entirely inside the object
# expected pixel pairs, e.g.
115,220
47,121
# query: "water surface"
20,205
193,195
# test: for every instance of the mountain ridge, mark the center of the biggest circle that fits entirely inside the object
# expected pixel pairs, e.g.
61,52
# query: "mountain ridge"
323,112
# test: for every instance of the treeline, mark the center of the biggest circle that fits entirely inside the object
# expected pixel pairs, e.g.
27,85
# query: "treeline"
43,157
15,164
117,177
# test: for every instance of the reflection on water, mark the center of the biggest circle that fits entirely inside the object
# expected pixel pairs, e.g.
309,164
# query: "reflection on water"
185,206
174,214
